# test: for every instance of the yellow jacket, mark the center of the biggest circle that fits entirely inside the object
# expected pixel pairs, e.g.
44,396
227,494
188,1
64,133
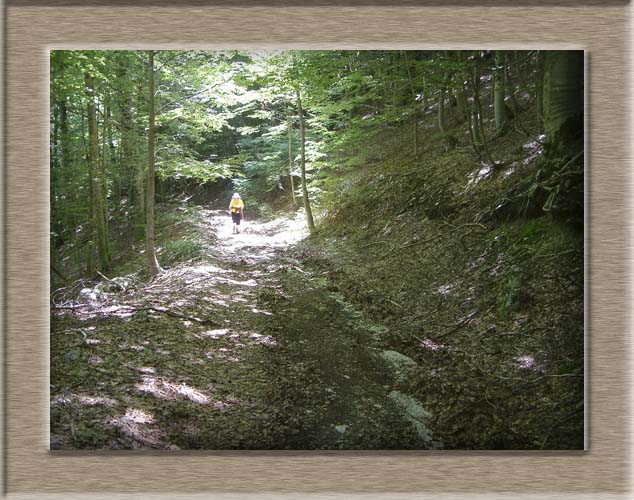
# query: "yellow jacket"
236,205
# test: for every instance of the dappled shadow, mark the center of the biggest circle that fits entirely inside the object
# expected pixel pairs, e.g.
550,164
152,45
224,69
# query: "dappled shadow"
175,362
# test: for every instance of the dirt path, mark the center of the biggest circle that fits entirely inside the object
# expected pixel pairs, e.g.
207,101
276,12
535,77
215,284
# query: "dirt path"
244,349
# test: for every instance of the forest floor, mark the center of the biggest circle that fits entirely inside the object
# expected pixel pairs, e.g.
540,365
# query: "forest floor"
241,348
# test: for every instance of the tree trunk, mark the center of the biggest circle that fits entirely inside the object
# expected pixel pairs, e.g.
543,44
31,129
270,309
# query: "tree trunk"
442,124
469,124
153,264
461,102
478,122
499,104
475,105
99,219
140,195
509,84
539,89
309,213
414,104
289,127
563,100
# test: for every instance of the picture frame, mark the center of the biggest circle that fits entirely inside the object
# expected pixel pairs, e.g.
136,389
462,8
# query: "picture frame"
33,27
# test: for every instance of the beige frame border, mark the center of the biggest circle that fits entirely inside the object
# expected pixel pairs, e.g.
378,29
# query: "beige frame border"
30,468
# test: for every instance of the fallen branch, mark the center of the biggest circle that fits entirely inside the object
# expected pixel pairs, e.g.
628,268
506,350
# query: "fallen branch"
178,315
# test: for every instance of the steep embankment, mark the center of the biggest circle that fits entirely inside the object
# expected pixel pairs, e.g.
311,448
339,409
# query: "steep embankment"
474,280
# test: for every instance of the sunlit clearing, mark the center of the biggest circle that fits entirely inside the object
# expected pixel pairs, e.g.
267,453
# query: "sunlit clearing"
278,233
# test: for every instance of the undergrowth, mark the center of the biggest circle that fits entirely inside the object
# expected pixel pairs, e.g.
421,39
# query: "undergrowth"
476,269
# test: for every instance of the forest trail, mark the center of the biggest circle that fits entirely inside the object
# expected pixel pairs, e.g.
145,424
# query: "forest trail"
243,349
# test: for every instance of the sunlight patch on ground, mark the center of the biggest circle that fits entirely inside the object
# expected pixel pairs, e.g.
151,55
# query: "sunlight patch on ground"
94,310
222,353
164,389
431,345
237,283
216,334
138,416
235,336
260,311
263,339
132,425
83,400
207,269
256,238
529,363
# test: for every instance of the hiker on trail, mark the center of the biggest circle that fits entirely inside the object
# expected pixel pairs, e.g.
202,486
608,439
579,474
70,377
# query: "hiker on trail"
236,207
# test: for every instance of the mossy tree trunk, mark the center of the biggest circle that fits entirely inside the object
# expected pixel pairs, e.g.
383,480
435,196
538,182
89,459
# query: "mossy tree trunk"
563,101
150,249
309,213
99,216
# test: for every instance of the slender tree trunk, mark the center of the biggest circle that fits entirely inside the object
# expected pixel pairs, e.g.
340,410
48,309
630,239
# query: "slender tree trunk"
441,112
309,213
499,104
56,165
469,124
140,195
478,120
99,219
425,98
149,224
539,89
414,104
442,124
289,127
475,105
461,100
138,168
509,84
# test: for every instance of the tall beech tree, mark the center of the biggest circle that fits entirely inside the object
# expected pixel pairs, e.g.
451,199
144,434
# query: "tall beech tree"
99,220
149,222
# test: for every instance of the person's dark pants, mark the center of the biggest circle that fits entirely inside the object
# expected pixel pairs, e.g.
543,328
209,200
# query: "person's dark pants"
236,218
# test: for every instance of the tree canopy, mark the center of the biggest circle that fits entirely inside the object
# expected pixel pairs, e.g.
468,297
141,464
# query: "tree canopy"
439,199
